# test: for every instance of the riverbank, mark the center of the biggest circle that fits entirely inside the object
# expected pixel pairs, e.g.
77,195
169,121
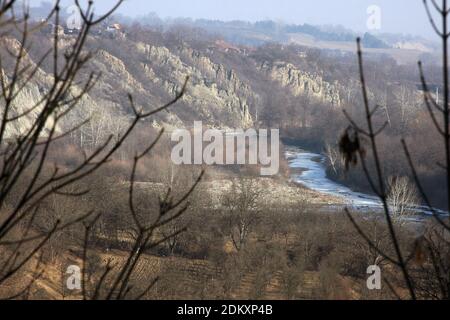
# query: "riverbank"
312,175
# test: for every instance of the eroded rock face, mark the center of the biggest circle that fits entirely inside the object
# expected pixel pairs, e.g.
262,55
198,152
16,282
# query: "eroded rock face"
28,101
217,94
302,83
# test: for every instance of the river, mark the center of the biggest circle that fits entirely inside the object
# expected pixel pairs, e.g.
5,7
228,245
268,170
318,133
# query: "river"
309,170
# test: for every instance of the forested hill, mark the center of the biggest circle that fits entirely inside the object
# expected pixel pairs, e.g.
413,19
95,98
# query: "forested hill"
301,90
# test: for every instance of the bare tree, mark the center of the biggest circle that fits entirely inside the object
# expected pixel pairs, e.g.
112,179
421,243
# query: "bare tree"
116,280
432,267
333,157
435,268
352,149
402,198
179,180
27,177
405,101
242,213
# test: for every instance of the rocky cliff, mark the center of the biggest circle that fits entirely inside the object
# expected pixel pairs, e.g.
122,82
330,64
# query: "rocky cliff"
221,94
301,82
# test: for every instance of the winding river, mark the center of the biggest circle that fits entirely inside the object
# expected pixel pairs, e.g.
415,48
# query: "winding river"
309,170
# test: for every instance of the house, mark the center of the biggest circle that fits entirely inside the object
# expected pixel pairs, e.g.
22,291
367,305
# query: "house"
115,30
71,31
114,27
51,28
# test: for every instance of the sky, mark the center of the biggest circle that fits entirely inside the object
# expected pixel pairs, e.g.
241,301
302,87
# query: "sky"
395,16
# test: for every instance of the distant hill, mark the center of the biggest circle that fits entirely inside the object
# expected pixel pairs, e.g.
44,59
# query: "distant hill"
260,32
268,31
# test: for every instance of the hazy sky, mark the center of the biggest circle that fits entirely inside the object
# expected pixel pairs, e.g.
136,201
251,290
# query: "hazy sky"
397,16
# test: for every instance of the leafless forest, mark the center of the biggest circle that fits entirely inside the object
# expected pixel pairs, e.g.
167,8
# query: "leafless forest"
91,206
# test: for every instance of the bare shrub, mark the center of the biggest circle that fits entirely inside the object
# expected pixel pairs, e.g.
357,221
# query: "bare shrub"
242,210
402,197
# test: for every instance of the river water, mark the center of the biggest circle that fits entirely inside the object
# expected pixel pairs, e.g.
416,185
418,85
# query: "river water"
309,170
